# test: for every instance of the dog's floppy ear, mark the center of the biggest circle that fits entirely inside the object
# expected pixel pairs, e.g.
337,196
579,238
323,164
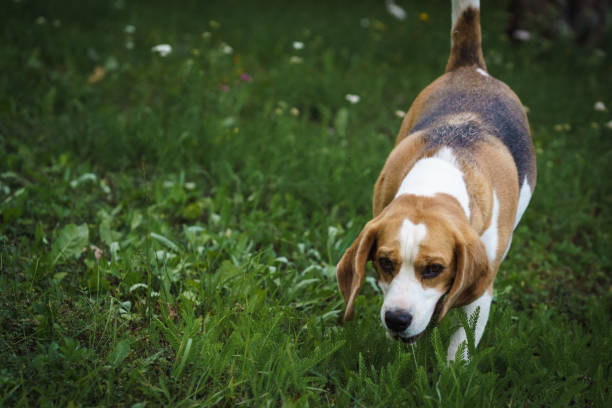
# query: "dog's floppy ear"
473,275
351,268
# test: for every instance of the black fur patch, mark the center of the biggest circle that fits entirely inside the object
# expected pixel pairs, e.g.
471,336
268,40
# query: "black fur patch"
501,117
458,136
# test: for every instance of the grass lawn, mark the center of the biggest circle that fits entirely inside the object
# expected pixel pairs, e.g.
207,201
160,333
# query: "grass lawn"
170,224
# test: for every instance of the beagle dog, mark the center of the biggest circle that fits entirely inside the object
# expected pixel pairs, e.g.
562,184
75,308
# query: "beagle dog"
449,196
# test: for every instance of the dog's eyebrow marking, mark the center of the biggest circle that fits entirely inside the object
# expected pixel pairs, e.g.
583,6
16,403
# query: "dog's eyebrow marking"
410,237
437,174
482,72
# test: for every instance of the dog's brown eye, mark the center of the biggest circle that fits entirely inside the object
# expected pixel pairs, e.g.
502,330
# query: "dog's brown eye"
386,265
432,270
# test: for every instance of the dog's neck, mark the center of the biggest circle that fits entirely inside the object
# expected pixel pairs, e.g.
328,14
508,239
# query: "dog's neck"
443,174
437,174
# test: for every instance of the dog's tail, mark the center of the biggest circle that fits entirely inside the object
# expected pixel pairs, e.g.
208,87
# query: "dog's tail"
466,38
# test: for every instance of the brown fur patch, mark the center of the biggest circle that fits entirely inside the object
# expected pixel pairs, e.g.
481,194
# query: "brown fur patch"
466,41
495,161
399,162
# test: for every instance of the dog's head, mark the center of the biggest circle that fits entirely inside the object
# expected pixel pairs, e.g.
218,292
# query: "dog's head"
423,248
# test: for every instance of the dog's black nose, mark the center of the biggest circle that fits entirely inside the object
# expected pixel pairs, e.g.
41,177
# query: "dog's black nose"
398,321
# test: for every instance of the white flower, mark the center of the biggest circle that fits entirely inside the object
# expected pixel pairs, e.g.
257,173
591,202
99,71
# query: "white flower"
609,124
352,98
298,45
521,35
40,20
400,113
162,255
129,29
295,59
395,10
226,48
599,106
162,49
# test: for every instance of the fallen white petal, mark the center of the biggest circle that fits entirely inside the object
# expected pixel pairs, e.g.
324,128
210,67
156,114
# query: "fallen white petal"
226,48
352,98
395,10
599,106
521,35
162,49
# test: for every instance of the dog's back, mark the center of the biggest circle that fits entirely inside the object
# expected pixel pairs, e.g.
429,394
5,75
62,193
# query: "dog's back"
466,106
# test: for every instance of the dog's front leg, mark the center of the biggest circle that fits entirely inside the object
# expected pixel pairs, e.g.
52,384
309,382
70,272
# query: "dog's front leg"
484,302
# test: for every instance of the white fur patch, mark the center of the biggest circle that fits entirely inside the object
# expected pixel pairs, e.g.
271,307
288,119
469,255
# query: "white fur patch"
437,174
523,202
482,72
460,5
405,291
384,287
484,302
490,237
445,153
507,248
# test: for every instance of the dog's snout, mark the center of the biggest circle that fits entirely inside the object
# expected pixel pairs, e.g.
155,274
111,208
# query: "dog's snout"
397,320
